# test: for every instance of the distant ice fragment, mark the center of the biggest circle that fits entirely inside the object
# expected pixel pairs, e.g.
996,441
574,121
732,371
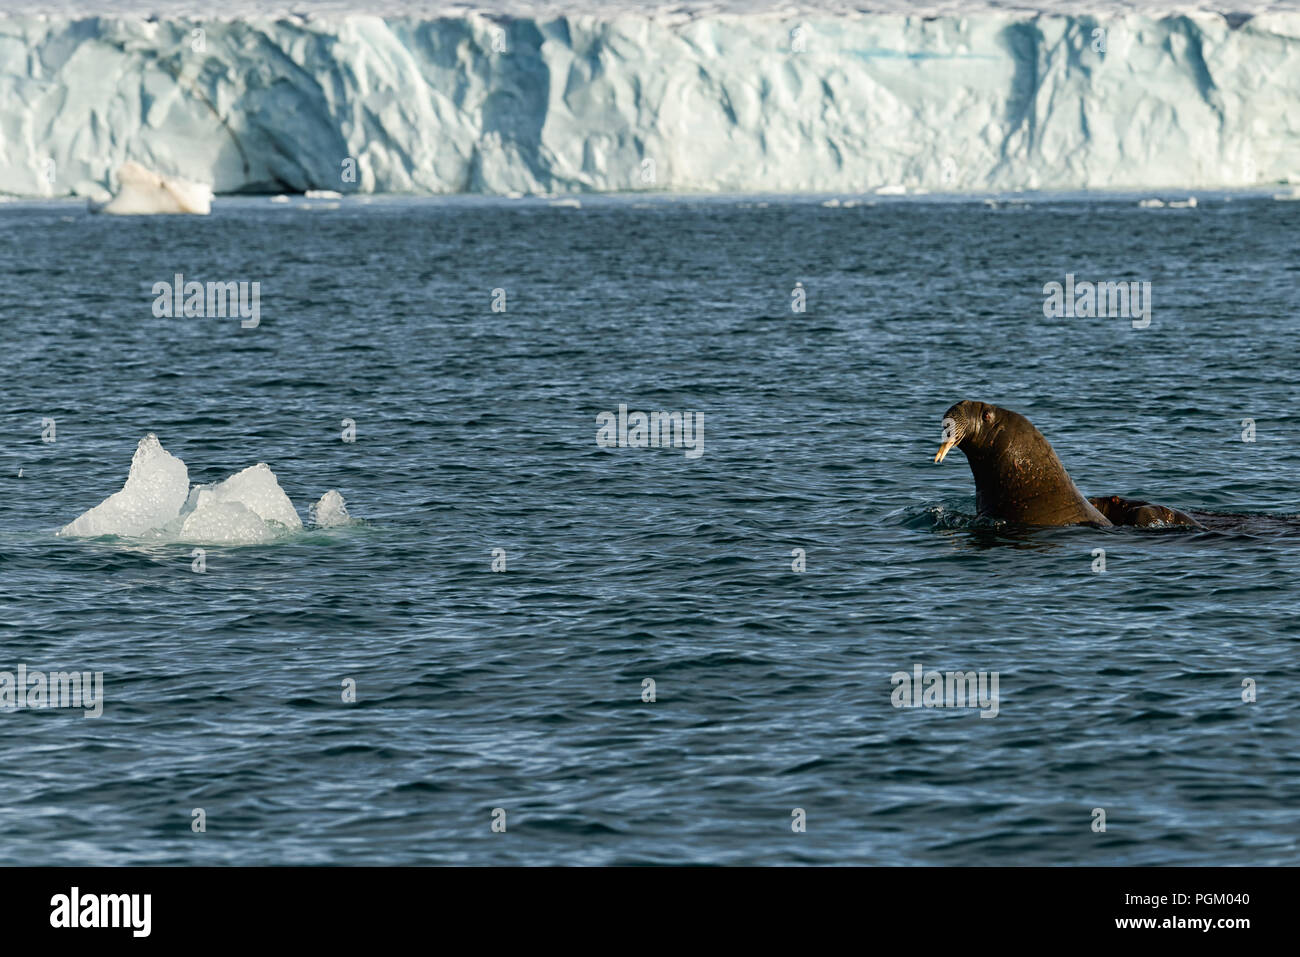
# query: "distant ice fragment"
323,194
330,510
154,492
144,192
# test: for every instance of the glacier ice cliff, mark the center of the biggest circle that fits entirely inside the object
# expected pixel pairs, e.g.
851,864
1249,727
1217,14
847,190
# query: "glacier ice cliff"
629,99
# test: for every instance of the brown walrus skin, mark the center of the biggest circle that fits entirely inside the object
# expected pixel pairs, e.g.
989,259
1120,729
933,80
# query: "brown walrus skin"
1127,511
1018,477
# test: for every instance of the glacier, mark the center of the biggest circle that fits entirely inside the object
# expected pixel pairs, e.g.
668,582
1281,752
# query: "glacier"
549,98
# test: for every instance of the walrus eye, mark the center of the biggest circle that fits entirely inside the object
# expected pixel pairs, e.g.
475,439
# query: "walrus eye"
988,417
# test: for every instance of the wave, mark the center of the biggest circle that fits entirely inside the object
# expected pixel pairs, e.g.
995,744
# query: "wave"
943,518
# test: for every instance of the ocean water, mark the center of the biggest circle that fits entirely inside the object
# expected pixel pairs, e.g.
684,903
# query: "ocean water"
522,689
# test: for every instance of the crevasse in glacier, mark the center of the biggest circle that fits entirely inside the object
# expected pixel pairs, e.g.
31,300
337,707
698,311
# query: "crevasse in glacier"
628,100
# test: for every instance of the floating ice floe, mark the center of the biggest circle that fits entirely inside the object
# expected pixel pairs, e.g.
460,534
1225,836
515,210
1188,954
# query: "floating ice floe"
144,192
322,194
158,503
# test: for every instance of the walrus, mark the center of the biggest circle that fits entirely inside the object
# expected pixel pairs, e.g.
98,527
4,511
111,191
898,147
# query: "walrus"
1018,477
1127,511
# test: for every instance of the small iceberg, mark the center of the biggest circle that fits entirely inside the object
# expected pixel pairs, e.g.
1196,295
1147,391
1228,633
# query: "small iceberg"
322,194
1188,203
331,510
143,192
157,503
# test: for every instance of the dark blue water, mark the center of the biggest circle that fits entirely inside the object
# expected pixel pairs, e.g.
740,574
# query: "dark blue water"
522,689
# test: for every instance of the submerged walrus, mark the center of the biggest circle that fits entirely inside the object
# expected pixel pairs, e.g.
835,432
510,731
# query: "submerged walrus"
1018,477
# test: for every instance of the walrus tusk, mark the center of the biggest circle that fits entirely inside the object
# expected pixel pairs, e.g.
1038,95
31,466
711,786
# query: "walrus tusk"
944,450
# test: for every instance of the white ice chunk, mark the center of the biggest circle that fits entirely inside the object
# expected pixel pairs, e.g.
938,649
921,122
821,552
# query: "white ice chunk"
225,523
145,192
255,488
154,492
330,510
157,503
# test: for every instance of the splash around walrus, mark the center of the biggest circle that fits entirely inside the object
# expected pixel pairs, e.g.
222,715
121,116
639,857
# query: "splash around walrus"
1020,479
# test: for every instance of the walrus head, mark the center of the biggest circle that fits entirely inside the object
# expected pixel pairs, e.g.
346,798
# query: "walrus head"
1018,477
968,426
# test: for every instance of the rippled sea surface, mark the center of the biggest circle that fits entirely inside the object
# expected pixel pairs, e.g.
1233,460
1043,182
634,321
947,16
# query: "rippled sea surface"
522,689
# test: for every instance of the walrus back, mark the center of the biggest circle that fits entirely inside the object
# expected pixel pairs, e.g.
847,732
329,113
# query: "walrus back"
1023,480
